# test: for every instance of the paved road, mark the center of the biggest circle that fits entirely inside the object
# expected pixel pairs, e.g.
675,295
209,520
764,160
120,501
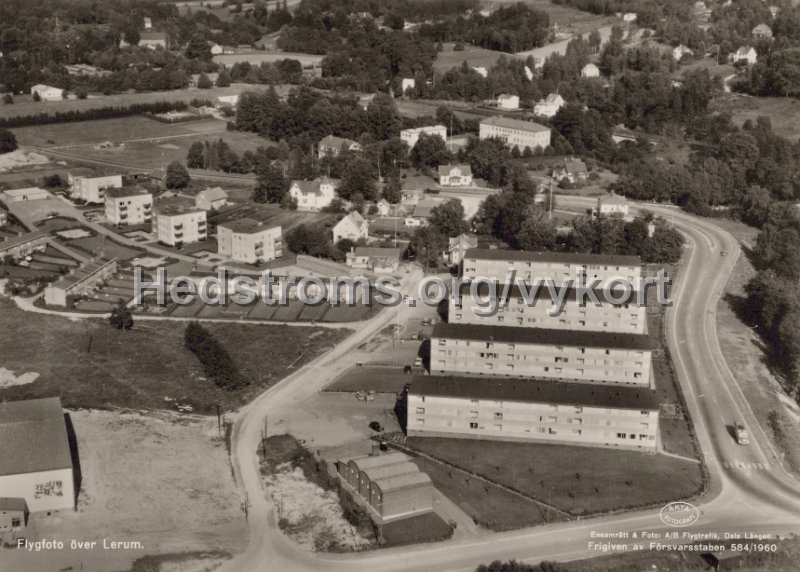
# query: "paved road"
749,491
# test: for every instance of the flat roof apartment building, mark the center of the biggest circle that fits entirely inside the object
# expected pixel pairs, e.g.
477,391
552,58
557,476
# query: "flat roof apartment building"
533,410
128,206
176,225
532,309
249,241
411,136
601,358
559,266
515,132
92,189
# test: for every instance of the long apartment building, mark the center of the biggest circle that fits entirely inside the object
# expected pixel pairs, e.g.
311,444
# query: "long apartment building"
248,240
128,206
533,310
176,225
559,266
533,410
565,355
79,281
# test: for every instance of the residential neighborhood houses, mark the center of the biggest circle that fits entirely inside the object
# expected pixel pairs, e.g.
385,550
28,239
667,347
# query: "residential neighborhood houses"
313,195
353,227
550,105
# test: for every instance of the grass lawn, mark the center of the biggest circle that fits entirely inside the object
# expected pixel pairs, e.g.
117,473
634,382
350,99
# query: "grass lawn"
489,506
89,364
94,244
473,55
578,480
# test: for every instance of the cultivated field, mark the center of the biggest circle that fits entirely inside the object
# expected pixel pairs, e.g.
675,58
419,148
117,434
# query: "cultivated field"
90,364
24,104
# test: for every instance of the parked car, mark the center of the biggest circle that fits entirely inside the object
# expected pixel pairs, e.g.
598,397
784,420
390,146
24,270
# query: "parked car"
723,253
384,446
375,426
407,369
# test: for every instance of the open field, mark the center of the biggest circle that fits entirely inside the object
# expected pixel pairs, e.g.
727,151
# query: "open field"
24,104
783,112
257,58
378,379
579,480
162,480
473,55
568,19
90,364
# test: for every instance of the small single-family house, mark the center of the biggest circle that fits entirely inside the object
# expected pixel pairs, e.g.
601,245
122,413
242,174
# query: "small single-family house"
508,101
313,195
573,170
612,203
590,70
378,260
745,54
332,146
679,52
455,175
48,92
211,199
458,245
762,32
353,226
550,105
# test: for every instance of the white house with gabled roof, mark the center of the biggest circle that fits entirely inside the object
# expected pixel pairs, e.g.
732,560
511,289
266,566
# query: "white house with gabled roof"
353,226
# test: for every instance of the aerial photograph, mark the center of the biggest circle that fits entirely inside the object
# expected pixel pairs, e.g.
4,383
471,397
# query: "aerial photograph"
399,285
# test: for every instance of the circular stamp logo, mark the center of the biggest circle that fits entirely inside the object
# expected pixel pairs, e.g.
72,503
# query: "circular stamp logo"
679,514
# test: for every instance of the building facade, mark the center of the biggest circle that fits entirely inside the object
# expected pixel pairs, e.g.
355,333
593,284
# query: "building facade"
249,241
507,101
630,317
211,199
411,136
533,410
128,206
550,105
612,203
354,227
92,189
26,194
455,175
176,226
48,92
331,146
375,259
313,195
515,132
559,266
568,355
36,464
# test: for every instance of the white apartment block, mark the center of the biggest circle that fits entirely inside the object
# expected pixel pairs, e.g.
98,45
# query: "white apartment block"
176,225
92,189
411,136
601,358
247,240
515,132
609,316
559,266
533,410
128,206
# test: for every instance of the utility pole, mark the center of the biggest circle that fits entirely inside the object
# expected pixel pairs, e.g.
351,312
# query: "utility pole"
550,208
219,420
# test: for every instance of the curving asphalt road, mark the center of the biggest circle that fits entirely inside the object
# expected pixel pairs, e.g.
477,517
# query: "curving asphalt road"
749,491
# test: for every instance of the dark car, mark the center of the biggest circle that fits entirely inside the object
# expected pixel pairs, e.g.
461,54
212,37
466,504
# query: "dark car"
407,369
384,446
375,426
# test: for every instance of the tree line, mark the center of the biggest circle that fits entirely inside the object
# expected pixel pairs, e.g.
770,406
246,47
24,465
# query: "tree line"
106,112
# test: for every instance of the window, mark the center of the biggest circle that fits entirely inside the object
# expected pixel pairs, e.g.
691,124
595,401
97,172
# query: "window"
15,523
621,435
473,414
420,411
420,421
473,425
498,415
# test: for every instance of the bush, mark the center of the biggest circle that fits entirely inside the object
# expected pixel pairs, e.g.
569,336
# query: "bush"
8,99
81,93
8,142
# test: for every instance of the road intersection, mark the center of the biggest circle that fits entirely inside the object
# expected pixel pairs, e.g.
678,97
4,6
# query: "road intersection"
749,491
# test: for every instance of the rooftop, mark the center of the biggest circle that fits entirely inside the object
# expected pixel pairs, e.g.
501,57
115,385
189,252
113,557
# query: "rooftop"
424,129
125,192
176,210
34,436
565,257
374,461
613,198
82,273
542,336
445,169
378,252
542,293
501,121
13,503
214,194
405,481
248,226
336,142
18,240
536,391
313,187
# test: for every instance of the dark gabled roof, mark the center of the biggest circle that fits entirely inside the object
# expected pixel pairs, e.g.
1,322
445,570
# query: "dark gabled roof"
572,338
502,121
33,435
542,294
536,391
13,503
10,243
565,257
125,192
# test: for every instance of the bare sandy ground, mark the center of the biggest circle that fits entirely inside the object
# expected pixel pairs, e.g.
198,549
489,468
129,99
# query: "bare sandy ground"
164,481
